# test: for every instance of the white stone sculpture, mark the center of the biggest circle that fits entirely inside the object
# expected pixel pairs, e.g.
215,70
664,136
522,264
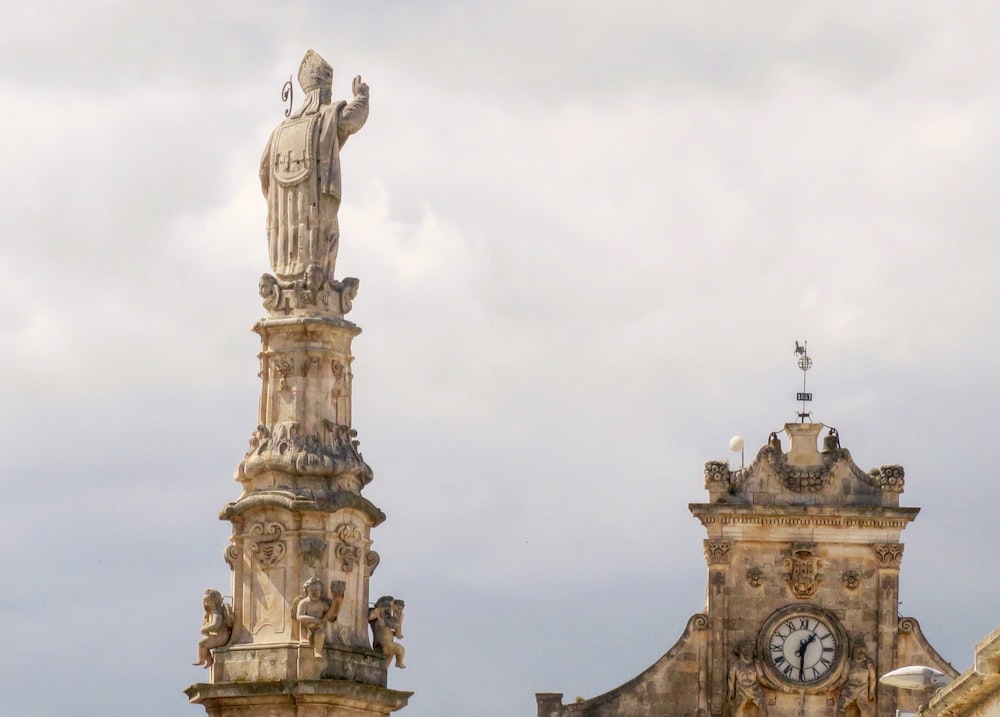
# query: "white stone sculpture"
386,620
216,626
312,611
300,172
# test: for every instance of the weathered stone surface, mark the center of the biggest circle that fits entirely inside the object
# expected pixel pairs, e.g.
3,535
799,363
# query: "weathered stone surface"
300,524
300,173
300,698
803,559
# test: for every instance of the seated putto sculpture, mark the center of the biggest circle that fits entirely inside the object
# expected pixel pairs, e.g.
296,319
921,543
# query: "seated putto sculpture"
386,620
312,611
216,626
300,173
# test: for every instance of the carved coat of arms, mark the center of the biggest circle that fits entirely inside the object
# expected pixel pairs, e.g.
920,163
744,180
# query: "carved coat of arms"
804,576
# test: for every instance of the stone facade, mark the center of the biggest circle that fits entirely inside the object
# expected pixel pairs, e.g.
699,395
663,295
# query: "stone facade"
295,641
803,553
976,692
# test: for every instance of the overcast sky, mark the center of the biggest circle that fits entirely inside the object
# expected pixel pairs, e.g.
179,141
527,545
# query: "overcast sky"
588,235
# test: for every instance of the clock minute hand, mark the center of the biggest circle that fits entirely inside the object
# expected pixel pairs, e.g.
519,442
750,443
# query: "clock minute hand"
801,654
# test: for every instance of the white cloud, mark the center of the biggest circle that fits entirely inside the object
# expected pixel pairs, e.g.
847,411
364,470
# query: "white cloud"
586,242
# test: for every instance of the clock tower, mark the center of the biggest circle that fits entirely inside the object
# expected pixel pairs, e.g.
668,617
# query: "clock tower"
803,550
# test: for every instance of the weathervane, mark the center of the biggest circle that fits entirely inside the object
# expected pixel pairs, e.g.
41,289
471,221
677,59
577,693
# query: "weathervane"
805,363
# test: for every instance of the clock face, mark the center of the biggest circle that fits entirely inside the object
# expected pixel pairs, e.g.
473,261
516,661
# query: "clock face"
802,648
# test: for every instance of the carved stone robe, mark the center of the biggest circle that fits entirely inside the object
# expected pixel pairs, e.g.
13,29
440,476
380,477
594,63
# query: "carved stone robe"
300,176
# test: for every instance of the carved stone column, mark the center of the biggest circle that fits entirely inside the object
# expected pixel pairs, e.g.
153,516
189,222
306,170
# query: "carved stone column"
300,551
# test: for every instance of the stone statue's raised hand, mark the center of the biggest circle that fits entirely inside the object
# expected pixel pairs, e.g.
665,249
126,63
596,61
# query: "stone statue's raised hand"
359,87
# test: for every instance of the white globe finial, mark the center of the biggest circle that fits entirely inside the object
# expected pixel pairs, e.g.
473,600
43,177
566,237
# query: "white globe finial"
736,444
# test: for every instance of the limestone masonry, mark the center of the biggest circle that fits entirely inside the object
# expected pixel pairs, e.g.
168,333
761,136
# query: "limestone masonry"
295,641
803,556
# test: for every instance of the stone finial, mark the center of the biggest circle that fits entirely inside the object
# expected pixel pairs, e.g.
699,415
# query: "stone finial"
891,479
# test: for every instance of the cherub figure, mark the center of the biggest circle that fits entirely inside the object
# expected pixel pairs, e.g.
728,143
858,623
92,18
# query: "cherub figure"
859,690
312,611
744,681
270,292
386,626
216,626
347,291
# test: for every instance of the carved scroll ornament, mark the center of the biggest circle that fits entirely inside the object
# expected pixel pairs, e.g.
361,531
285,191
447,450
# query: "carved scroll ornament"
266,546
349,546
332,452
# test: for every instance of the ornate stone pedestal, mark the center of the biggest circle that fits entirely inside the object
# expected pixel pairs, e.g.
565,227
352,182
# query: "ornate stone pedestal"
304,698
295,638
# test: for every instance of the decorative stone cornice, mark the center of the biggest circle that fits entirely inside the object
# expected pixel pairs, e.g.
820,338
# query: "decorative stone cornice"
307,501
880,517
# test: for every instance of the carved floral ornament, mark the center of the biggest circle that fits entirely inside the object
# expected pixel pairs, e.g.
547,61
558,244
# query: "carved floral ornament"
755,577
889,554
891,478
717,551
804,577
851,579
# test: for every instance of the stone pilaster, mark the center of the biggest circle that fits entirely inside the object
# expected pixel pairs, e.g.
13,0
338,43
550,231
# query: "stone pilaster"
718,552
889,556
